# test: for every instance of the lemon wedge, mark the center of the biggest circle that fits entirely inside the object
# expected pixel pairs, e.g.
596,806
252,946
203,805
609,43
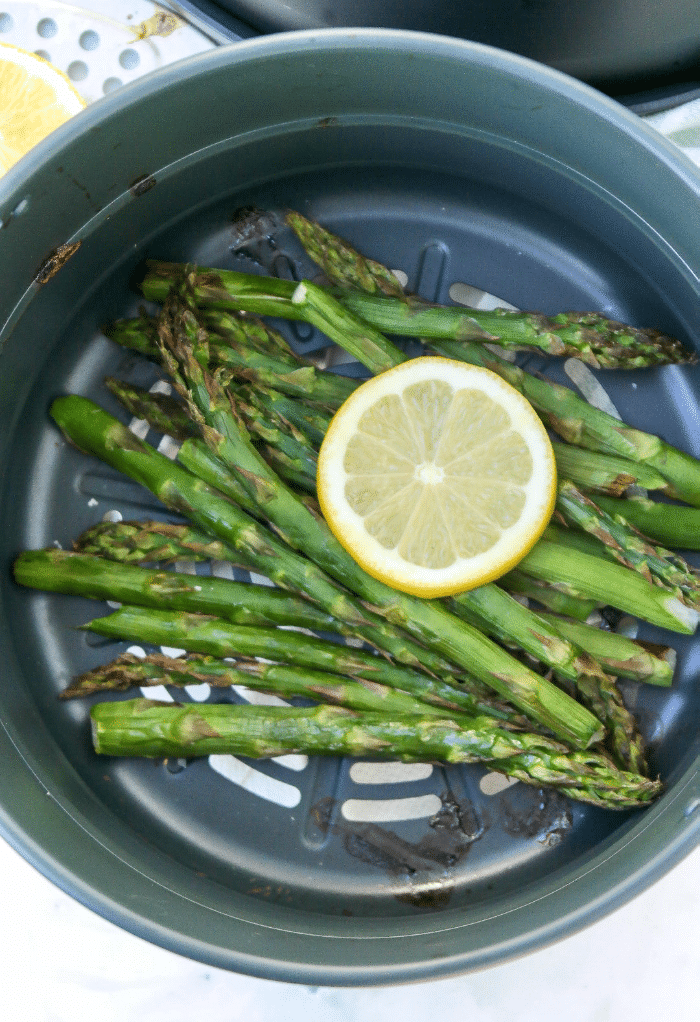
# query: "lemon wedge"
436,476
35,98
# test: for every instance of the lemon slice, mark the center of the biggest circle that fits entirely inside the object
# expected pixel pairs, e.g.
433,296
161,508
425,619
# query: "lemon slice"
35,98
436,476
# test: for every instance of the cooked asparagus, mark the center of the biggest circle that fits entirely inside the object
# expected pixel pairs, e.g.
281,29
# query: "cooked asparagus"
303,530
141,727
212,636
501,616
137,542
613,584
93,430
622,543
604,473
586,335
671,524
355,691
619,655
373,293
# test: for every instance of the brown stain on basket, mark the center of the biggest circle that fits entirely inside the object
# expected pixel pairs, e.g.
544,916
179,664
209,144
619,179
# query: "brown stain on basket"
55,260
141,185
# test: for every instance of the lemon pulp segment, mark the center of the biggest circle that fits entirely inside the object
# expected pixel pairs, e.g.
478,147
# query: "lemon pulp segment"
35,98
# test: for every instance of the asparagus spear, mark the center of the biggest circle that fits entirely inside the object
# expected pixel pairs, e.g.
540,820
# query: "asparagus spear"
291,456
96,432
160,542
212,636
622,543
612,584
599,342
371,292
604,473
284,437
626,658
666,523
245,363
546,593
310,420
134,542
243,603
270,296
340,262
141,727
250,331
135,334
354,335
202,462
501,616
163,412
356,692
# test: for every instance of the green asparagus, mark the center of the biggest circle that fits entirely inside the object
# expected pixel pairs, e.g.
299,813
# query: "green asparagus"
612,584
604,473
212,636
546,594
141,727
671,524
501,616
137,542
243,603
619,655
587,335
245,363
162,412
620,542
341,263
287,680
304,531
94,431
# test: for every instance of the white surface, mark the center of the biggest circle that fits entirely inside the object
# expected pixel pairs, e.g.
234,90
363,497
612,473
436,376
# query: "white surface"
63,963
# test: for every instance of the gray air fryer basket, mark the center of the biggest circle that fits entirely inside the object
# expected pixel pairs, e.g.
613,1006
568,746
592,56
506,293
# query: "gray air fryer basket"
455,163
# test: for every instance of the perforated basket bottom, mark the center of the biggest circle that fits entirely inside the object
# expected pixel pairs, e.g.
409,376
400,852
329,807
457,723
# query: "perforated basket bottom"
100,46
337,836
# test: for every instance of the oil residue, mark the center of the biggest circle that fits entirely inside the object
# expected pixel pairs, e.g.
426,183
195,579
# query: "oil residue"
252,235
425,864
535,814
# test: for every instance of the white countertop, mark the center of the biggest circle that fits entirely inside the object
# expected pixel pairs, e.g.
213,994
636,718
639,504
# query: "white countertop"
63,963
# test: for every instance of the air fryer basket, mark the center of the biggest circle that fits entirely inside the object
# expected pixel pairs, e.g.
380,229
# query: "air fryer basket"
453,163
